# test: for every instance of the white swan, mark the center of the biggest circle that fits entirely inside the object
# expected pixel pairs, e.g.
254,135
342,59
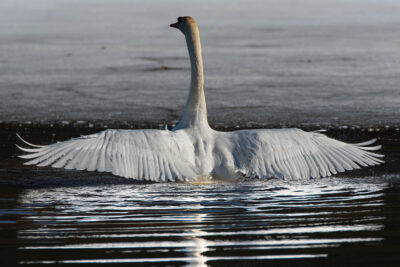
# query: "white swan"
192,149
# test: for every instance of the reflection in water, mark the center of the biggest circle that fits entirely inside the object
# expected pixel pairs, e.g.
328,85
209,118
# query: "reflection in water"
196,234
200,225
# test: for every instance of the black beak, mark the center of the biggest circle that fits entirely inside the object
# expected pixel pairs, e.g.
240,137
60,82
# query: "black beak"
175,25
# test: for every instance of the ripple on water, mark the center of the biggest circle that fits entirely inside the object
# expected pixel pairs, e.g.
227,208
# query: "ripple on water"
199,224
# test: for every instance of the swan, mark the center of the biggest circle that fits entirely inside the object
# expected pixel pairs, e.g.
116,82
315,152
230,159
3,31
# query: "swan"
193,149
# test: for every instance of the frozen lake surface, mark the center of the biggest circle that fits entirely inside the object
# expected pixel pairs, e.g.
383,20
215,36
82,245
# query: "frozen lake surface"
266,62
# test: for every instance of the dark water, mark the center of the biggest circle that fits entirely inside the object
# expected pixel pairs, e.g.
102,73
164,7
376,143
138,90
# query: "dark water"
50,216
347,221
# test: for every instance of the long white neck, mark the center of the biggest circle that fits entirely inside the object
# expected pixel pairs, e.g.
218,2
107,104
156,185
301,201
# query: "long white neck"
195,113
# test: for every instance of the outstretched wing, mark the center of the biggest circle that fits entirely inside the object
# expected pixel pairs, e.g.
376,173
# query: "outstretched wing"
295,154
152,155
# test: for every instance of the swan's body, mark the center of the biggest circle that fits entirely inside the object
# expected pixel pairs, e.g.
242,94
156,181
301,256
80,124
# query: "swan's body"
192,149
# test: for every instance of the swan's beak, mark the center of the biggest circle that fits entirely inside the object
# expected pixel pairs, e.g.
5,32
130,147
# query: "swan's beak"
175,25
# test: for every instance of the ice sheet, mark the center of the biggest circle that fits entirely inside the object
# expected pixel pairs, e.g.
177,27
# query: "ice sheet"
266,62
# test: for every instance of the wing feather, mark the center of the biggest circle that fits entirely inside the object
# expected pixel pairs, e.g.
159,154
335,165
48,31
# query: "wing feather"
295,154
152,155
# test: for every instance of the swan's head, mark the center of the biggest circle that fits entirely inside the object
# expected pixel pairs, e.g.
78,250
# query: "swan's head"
185,24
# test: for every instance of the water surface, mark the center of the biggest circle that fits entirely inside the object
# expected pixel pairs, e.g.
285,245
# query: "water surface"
340,220
53,216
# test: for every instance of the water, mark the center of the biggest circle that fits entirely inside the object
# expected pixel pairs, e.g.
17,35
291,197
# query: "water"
53,216
335,221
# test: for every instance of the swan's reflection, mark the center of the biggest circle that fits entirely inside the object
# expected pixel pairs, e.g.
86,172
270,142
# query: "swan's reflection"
200,244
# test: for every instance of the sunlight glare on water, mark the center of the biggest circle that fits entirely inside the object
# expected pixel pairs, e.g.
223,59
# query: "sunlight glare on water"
198,224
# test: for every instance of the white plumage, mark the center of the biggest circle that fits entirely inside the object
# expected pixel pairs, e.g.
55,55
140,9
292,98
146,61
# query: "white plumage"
193,149
152,155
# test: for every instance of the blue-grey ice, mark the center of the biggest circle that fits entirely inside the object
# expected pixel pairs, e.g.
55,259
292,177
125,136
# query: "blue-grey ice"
266,62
